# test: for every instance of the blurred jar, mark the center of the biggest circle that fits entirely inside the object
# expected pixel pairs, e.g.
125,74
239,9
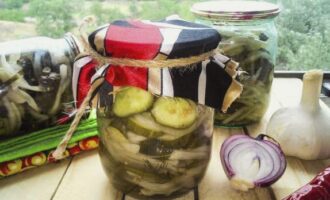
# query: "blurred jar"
249,36
35,79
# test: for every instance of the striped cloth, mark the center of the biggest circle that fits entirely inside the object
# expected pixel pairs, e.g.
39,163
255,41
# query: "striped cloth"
206,82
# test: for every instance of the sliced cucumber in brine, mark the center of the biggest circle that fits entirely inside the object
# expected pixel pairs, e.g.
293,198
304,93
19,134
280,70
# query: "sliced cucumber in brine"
119,123
131,100
154,147
145,125
174,112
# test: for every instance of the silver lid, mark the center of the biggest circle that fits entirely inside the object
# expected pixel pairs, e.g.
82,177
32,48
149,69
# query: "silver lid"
235,10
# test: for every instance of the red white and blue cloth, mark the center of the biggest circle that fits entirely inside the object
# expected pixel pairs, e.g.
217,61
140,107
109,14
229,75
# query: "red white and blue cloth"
206,82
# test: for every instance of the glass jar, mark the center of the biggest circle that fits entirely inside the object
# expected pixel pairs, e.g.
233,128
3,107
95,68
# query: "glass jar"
35,83
249,36
145,157
155,123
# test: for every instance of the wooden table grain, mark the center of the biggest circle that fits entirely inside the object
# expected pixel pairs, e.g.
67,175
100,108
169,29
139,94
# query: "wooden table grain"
82,177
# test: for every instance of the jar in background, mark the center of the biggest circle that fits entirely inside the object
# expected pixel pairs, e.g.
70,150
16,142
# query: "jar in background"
35,83
249,36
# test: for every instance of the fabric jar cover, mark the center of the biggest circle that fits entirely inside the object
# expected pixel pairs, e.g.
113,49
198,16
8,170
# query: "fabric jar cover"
207,83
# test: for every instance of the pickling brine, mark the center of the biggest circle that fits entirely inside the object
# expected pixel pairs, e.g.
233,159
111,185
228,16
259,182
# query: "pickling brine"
154,147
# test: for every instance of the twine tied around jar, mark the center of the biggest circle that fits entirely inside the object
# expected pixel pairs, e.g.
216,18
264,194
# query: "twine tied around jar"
229,65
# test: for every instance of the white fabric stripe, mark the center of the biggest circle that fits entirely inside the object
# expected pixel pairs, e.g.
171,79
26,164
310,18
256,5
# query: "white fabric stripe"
99,40
169,36
99,73
166,25
221,58
217,61
173,17
167,83
202,83
77,66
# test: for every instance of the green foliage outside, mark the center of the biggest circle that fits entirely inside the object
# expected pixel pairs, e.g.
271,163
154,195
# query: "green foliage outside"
160,9
14,4
304,35
12,15
10,10
54,17
104,14
304,30
134,9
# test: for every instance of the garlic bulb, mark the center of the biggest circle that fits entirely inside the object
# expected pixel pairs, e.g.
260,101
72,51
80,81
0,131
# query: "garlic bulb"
303,131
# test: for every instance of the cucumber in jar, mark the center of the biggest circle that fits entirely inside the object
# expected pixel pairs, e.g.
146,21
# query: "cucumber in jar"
174,112
115,168
144,124
131,100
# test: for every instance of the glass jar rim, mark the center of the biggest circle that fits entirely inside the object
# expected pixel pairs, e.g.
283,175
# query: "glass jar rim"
235,10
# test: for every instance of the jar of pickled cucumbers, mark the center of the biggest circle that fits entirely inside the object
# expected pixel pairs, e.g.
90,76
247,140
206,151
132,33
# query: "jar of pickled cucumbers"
150,151
155,122
35,83
249,36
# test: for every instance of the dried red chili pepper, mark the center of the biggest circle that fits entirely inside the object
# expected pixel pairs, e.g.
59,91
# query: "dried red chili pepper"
318,188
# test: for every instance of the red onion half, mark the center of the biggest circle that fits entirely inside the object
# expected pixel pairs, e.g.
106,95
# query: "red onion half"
249,162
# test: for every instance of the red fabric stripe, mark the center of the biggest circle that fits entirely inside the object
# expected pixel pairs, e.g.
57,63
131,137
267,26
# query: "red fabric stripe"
127,76
142,41
84,79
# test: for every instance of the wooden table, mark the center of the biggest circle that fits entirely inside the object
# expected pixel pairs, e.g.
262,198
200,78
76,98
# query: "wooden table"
82,177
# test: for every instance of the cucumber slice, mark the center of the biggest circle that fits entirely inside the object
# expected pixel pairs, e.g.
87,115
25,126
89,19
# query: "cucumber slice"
145,125
115,135
135,138
174,112
119,123
131,100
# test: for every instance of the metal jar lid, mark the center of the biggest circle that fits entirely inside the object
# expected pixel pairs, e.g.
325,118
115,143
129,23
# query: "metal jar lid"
235,10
